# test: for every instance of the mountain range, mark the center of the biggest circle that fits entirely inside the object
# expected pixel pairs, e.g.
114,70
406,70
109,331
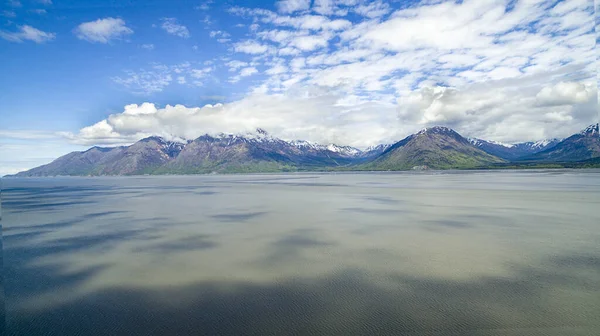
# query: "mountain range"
432,148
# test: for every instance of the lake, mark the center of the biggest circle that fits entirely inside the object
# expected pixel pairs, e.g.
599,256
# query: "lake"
435,253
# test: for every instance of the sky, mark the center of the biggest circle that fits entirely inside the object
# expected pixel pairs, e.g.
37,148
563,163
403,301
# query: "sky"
351,72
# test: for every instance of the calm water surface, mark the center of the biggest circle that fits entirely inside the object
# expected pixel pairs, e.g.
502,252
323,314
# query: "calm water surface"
454,253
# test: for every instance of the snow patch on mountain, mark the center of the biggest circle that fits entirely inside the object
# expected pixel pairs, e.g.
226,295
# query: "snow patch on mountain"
478,143
435,129
591,130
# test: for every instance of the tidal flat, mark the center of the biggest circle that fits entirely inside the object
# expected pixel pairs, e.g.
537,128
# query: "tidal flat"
413,253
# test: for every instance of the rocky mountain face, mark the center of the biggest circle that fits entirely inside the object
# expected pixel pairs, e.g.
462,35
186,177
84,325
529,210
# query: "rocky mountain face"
431,148
513,151
225,153
584,145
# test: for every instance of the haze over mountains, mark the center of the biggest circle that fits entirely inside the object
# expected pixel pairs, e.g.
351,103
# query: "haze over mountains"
432,148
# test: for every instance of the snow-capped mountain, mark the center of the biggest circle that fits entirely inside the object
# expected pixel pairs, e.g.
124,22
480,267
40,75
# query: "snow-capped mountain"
584,145
373,151
479,142
513,151
591,130
347,151
344,150
435,147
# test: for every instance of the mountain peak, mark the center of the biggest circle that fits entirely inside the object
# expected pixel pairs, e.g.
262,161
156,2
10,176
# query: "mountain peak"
153,138
591,130
436,129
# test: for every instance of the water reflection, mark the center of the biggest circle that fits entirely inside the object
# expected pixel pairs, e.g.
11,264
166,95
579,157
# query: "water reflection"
313,254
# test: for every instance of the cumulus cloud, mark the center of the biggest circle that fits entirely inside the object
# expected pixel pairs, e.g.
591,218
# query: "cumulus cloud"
28,33
171,26
296,115
565,93
290,6
102,30
500,110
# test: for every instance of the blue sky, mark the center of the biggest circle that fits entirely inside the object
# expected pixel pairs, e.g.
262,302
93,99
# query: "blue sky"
353,72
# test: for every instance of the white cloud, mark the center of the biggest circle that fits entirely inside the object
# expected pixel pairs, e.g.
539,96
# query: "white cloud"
149,46
217,33
277,69
204,6
250,47
473,65
308,43
145,81
28,33
290,6
565,93
199,73
502,110
288,51
235,64
373,10
181,80
294,116
102,30
248,71
331,7
171,26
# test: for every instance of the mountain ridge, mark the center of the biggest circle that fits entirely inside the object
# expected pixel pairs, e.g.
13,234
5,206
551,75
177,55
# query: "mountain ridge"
437,147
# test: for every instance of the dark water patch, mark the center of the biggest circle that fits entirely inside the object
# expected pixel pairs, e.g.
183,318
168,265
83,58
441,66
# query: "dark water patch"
375,228
205,193
487,220
585,261
25,281
341,303
199,242
55,189
448,223
25,206
289,248
101,214
65,223
382,200
46,226
25,236
163,193
372,211
238,217
26,254
302,239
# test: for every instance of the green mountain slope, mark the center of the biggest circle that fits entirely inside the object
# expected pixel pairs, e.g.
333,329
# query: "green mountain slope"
435,148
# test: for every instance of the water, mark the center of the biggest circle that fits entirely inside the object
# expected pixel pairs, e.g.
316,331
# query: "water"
454,253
